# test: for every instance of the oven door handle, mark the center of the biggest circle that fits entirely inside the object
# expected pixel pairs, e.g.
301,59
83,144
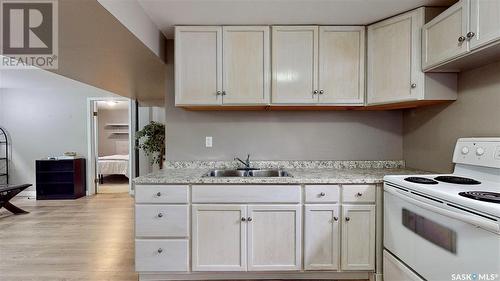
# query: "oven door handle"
471,219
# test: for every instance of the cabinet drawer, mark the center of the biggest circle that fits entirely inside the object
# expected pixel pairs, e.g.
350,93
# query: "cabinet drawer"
358,193
161,255
322,193
161,193
245,194
161,220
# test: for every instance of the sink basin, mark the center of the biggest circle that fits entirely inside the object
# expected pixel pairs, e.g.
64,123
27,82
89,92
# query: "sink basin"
268,173
227,173
273,173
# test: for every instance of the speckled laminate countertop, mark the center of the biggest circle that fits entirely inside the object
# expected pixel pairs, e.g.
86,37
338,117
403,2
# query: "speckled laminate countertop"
355,173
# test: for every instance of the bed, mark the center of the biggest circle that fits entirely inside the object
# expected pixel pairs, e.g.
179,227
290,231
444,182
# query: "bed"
113,165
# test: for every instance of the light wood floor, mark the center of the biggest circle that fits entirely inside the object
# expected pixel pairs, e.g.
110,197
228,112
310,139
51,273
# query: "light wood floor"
86,239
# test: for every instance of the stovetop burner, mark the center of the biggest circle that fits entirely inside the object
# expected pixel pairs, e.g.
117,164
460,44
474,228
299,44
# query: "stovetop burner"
482,196
457,180
421,180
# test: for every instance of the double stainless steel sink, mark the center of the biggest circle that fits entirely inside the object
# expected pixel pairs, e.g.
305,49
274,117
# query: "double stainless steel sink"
273,173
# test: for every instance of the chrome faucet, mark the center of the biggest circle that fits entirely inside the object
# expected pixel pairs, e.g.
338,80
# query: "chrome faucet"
246,162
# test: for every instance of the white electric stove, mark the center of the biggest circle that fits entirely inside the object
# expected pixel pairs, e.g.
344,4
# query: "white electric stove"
446,227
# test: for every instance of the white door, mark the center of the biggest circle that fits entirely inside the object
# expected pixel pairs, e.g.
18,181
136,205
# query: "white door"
341,64
219,238
444,37
246,65
198,65
321,239
274,237
393,58
358,237
294,64
485,22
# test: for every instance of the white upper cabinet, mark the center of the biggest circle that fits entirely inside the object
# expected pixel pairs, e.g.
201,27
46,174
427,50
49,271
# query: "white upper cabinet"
341,64
274,237
392,69
198,65
246,64
464,36
294,64
445,37
484,22
394,64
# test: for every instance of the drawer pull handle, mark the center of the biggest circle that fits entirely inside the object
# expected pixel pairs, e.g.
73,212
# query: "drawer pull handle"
249,219
160,215
243,219
347,219
158,194
160,250
359,194
322,194
335,218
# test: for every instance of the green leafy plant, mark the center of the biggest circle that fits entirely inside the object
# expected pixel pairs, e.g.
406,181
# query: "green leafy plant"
151,139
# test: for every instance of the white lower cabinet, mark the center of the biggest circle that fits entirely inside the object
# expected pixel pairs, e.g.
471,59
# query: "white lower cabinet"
321,241
358,237
219,236
161,255
274,237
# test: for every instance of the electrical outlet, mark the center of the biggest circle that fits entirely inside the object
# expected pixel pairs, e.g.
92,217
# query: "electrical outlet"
208,141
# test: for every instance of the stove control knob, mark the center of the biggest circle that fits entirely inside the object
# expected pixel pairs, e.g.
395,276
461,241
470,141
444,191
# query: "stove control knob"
479,151
465,150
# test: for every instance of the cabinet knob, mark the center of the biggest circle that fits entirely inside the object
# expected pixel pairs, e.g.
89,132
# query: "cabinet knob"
249,219
160,250
315,92
413,85
160,215
335,218
322,194
470,34
219,93
243,219
321,92
158,194
223,93
359,194
461,39
347,218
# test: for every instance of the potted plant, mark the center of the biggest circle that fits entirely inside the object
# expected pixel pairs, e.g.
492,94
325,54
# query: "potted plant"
151,139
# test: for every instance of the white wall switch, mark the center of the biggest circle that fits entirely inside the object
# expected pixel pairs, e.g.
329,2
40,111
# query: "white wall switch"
208,141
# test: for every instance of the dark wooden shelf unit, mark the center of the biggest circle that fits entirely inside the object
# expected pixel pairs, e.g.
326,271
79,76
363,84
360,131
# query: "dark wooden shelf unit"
60,179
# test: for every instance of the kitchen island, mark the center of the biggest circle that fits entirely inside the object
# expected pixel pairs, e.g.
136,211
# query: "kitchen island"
322,222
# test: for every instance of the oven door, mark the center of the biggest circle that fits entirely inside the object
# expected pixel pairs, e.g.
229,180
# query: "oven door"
437,242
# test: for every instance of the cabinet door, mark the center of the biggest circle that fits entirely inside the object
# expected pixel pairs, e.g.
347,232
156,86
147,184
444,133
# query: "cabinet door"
198,65
219,238
246,65
394,58
358,237
443,38
274,237
341,64
321,239
485,22
294,64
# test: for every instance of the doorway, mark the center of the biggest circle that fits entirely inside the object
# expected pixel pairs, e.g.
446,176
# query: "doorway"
111,157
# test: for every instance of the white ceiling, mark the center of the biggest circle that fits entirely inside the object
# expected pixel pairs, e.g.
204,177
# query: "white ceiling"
168,13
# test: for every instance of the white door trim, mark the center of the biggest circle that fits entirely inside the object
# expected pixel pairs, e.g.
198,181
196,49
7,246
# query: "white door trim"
90,188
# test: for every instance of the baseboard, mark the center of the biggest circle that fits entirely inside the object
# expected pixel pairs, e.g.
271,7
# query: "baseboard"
28,193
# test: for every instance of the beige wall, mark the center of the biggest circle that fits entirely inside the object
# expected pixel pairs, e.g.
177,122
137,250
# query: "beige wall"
108,141
430,133
294,135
